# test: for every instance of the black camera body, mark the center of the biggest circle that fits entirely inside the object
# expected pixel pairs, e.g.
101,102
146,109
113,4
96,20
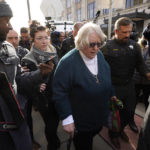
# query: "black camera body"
134,36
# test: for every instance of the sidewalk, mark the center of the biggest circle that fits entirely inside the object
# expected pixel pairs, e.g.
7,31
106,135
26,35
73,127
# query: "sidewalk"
98,144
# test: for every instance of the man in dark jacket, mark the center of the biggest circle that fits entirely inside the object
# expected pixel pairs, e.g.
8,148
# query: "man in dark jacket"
14,132
25,38
68,43
123,56
146,34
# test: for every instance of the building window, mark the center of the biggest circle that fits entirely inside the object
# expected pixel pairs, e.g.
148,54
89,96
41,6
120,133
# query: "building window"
68,3
77,1
136,2
106,11
78,14
91,10
131,3
69,17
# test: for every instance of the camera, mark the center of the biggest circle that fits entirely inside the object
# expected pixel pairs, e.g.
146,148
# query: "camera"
51,59
50,23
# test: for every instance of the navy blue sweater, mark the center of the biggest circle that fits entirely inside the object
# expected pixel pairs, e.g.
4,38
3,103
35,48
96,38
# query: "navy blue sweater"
76,91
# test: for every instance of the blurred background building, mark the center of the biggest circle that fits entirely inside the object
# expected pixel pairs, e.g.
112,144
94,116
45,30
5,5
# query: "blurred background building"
78,10
53,9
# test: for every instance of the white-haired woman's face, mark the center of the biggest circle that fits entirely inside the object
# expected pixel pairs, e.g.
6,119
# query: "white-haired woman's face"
93,46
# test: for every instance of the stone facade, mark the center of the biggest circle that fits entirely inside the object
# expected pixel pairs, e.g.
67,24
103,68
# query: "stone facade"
139,11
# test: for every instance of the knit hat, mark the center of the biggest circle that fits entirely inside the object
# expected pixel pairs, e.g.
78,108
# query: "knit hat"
5,10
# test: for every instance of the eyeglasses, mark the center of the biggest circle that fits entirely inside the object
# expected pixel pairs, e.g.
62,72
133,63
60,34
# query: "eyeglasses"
92,45
42,38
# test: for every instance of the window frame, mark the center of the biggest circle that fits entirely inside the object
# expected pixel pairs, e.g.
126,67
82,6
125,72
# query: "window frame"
68,3
78,14
91,10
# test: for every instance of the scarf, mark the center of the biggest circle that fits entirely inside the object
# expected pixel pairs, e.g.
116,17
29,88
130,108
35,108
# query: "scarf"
42,56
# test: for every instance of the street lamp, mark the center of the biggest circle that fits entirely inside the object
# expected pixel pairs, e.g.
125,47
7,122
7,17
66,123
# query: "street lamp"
29,14
110,19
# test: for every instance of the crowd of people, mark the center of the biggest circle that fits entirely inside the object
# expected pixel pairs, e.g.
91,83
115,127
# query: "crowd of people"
71,78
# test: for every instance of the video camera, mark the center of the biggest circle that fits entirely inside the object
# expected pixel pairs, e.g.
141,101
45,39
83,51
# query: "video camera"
50,23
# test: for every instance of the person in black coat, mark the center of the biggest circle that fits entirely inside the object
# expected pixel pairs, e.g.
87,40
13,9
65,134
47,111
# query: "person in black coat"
43,52
25,38
146,34
14,132
68,43
124,56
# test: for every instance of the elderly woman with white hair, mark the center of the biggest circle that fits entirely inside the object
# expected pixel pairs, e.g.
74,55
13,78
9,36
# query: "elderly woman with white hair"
82,87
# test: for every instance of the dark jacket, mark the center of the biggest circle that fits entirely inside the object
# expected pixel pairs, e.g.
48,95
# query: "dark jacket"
123,60
26,44
146,33
9,63
76,91
67,45
31,60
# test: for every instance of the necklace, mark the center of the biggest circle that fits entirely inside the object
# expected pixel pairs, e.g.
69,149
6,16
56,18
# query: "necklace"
97,80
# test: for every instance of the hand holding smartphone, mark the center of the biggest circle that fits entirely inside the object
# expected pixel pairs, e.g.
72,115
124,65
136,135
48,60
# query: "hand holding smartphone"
50,59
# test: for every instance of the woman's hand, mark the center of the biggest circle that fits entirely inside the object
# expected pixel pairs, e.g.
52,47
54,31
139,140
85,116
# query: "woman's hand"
69,128
42,87
46,68
25,69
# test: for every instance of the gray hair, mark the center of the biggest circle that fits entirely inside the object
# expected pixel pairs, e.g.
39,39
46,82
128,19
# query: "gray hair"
82,38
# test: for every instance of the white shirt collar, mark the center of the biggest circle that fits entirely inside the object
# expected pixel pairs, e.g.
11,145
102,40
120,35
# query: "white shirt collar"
91,64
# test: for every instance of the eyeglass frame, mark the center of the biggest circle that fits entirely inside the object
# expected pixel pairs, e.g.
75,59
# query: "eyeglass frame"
93,44
42,38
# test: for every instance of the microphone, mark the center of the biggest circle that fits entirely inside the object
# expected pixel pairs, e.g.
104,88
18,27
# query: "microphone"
98,13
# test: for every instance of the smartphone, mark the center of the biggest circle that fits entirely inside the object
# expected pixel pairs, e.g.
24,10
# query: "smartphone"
50,59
